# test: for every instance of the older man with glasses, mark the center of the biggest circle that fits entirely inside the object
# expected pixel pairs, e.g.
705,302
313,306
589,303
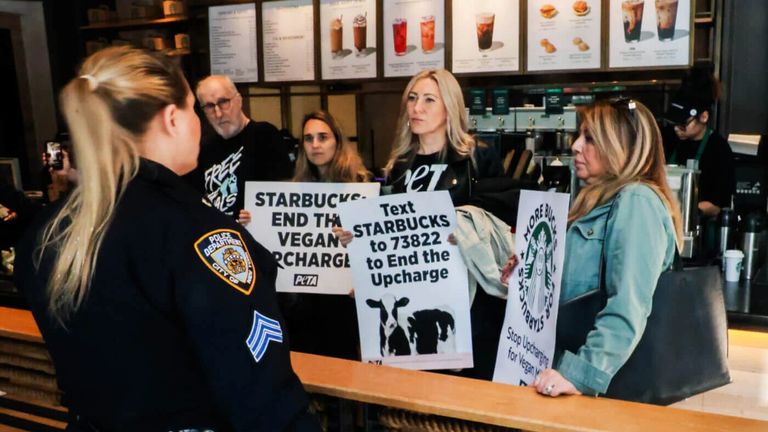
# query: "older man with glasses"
241,149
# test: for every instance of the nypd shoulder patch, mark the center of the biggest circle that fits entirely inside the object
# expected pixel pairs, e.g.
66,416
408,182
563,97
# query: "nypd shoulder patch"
263,331
224,252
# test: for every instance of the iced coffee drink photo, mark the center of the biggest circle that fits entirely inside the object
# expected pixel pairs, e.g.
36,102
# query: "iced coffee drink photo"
632,13
427,33
666,15
336,36
359,28
484,23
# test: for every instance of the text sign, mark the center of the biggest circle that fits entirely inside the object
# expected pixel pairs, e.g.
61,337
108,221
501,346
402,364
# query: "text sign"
527,341
294,221
410,283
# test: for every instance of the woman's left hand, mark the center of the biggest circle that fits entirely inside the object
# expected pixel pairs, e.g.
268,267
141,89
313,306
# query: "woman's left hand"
551,383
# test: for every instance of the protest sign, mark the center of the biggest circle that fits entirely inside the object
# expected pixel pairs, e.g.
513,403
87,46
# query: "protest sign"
527,340
294,221
410,283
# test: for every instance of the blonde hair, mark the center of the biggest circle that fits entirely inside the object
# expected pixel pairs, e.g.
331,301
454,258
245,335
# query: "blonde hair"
108,109
628,143
406,143
346,165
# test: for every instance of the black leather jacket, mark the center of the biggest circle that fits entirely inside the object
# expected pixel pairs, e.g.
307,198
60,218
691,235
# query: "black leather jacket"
460,176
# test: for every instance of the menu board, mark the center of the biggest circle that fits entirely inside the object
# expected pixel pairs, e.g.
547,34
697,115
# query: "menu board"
495,25
232,38
414,36
646,33
289,42
563,34
348,38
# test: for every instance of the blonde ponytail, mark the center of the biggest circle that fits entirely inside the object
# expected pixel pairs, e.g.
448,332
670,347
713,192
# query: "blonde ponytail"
108,109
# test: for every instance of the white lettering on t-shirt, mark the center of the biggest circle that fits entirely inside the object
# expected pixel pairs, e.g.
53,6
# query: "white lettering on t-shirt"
221,181
423,178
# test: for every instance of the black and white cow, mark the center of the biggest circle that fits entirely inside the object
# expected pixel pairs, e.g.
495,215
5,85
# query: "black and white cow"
430,331
392,338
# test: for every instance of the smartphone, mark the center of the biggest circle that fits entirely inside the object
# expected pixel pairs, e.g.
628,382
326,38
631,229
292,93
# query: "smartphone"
55,157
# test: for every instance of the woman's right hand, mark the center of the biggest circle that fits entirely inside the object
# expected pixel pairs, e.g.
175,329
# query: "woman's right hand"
345,237
508,268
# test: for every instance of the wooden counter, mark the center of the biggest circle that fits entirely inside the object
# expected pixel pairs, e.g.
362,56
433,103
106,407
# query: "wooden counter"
498,404
473,400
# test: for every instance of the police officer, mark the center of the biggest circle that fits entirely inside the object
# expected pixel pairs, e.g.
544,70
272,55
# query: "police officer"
159,311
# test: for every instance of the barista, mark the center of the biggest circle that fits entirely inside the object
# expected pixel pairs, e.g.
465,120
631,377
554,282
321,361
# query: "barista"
691,137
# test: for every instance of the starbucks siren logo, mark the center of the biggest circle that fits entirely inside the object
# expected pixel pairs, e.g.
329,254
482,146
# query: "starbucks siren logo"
536,287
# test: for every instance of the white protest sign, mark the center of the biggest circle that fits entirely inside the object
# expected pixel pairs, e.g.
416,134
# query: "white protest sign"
293,221
527,341
410,283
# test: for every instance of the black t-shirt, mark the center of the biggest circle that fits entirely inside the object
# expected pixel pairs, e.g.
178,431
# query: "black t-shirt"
424,173
224,165
717,181
455,174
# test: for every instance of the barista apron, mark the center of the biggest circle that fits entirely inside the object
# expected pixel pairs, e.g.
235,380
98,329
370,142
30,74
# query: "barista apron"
699,152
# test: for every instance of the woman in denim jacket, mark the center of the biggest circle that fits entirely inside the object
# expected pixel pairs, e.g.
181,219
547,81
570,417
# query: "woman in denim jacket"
619,155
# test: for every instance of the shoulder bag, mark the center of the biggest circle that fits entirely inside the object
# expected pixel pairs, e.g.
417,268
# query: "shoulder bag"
684,348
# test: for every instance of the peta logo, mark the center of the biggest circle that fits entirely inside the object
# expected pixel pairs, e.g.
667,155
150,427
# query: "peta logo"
307,280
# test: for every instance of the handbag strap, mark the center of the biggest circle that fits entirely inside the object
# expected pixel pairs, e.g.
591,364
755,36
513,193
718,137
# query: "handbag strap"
601,283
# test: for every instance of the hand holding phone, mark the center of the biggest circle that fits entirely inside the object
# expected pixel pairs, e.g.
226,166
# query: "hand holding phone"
55,156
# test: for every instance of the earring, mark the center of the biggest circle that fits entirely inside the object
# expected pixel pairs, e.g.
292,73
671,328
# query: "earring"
408,123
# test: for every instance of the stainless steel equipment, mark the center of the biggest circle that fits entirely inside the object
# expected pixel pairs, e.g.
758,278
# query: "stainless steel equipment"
684,182
726,222
750,242
559,174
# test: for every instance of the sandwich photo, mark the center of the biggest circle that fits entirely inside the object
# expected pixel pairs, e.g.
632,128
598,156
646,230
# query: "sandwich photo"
580,8
548,11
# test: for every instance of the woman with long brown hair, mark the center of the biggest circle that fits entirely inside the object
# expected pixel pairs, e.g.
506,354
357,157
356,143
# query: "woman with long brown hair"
325,154
324,324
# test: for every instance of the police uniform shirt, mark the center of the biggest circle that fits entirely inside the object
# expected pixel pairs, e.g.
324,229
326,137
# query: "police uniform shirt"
180,327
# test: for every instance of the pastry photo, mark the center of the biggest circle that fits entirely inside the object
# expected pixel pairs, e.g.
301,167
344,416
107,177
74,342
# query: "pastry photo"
580,8
580,44
548,11
547,45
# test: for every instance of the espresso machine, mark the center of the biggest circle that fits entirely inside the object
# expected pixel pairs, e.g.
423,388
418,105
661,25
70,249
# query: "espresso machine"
531,135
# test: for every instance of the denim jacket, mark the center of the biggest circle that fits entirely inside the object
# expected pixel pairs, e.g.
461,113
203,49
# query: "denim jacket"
639,245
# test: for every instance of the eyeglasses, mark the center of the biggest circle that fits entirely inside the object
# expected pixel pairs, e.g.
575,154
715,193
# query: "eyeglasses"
223,104
624,102
628,105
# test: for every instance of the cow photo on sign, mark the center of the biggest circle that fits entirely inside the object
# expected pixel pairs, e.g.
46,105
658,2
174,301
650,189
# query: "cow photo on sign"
411,286
429,331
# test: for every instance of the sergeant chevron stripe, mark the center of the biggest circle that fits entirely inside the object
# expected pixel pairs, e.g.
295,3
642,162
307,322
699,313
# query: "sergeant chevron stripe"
263,330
